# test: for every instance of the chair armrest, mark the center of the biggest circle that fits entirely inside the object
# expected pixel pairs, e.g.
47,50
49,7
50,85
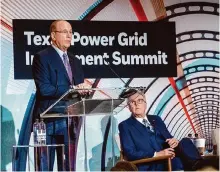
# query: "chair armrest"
145,160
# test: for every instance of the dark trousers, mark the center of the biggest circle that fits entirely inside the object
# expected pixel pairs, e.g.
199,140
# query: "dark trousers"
58,132
188,153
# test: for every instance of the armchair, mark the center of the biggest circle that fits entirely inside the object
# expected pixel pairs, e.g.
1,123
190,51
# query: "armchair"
144,160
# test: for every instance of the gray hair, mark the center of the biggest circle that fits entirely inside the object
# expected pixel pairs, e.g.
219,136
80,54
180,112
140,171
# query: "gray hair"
140,92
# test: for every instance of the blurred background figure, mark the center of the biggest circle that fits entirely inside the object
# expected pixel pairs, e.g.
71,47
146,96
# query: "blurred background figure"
196,136
215,141
190,136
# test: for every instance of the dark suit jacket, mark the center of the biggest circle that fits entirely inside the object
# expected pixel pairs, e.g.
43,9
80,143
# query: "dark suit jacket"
51,78
139,142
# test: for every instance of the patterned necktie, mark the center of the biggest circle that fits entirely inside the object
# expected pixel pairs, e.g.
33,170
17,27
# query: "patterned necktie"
148,125
68,67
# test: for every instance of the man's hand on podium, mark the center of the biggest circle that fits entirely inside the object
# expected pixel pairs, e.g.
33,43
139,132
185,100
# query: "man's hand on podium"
84,86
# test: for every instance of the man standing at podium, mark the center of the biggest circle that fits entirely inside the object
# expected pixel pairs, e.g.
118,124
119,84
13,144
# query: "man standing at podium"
54,70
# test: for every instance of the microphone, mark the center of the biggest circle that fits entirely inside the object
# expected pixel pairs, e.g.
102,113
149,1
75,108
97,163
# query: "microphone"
125,93
115,73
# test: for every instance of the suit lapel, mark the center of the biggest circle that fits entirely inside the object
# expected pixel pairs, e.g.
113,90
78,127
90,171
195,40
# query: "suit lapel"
156,132
140,127
153,123
57,59
147,133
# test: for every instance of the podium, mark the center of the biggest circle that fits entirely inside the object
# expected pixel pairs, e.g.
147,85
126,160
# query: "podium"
42,151
95,126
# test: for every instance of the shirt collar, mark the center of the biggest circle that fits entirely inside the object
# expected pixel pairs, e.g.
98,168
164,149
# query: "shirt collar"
60,52
141,120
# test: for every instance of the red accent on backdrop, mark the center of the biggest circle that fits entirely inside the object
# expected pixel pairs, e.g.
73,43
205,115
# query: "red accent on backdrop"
139,11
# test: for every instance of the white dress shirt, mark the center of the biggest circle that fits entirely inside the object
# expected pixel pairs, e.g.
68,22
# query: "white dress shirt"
141,120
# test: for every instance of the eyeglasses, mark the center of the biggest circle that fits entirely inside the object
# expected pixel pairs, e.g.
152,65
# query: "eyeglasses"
138,101
64,32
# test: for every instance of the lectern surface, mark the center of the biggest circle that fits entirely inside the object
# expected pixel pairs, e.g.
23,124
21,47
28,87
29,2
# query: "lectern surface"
88,107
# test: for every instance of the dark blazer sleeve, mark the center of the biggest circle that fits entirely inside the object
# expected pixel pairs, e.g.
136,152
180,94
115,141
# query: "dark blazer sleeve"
128,145
42,77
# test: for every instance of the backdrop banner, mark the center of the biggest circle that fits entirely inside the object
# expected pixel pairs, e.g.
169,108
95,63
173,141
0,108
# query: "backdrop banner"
106,48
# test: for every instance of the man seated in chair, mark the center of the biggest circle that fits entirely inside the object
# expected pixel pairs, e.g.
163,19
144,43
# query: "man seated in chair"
146,136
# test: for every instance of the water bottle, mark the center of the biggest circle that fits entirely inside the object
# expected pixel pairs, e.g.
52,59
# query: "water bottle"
42,132
36,131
